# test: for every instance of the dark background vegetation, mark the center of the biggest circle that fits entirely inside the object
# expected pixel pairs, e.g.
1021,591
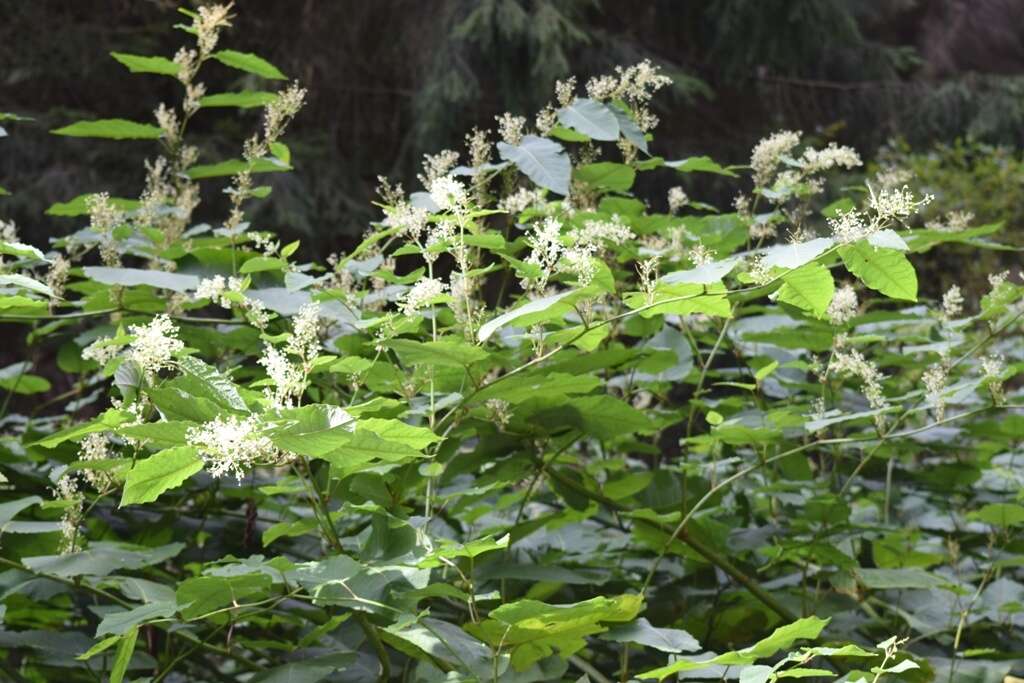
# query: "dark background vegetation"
392,79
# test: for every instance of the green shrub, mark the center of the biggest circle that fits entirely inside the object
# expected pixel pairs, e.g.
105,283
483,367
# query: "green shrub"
536,427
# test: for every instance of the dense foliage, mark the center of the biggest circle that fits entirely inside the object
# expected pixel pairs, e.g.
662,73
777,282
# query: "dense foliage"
535,427
924,69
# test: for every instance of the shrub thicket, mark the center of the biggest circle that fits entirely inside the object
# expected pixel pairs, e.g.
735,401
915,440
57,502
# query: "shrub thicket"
534,428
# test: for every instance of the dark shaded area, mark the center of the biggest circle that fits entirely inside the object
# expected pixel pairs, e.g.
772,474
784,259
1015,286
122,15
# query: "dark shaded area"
392,80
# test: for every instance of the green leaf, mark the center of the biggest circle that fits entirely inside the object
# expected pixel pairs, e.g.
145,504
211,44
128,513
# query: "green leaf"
591,118
24,302
607,175
451,550
1001,515
885,270
260,264
428,639
246,61
400,432
299,527
133,277
629,129
176,404
204,594
883,579
108,420
567,134
364,449
10,509
79,207
699,165
114,129
165,433
541,160
452,353
307,670
102,558
538,310
15,379
99,647
313,430
118,623
664,639
245,99
158,473
139,64
782,638
606,417
810,288
234,167
205,381
123,656
534,630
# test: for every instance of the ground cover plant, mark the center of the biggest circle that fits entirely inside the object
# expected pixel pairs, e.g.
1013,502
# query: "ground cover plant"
538,426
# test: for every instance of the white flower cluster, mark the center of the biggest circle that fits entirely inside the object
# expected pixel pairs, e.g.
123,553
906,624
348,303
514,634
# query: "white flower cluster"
287,376
8,231
895,203
103,218
892,176
579,261
758,270
437,165
102,351
832,156
848,226
510,128
57,275
593,233
992,367
777,149
154,344
768,152
955,221
280,112
677,199
65,488
934,380
565,91
478,146
207,24
546,248
852,363
95,447
551,255
231,445
410,220
885,206
305,339
700,255
218,288
422,294
635,84
449,194
843,306
521,200
215,288
952,303
288,379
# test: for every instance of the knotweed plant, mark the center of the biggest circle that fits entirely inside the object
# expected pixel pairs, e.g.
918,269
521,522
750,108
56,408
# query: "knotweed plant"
535,426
